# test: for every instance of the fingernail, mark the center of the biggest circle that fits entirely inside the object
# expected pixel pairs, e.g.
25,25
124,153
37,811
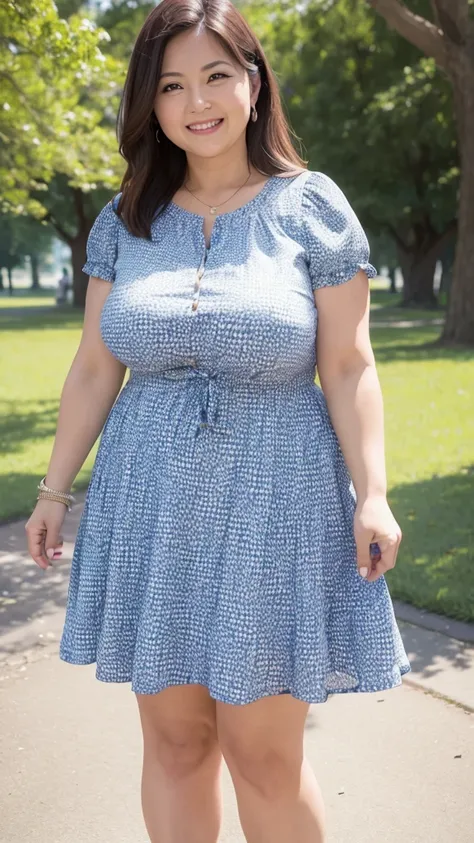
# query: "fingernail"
363,572
50,552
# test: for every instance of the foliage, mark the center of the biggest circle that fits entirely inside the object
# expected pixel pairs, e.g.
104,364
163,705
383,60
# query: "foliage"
371,113
123,20
58,104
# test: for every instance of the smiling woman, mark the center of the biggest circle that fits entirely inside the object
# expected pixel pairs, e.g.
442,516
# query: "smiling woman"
183,78
223,562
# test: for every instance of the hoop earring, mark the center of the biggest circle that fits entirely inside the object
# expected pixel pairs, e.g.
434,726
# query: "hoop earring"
253,114
156,135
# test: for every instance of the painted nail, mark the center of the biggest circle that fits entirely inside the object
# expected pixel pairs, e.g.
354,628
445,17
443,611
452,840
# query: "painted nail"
363,572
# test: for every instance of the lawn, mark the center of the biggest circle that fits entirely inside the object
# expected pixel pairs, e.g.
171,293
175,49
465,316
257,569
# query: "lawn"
429,413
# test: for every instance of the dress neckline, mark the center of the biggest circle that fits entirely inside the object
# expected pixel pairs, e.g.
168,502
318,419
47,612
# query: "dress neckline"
243,209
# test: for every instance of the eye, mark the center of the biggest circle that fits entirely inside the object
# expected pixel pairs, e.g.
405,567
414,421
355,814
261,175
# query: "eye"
168,87
173,84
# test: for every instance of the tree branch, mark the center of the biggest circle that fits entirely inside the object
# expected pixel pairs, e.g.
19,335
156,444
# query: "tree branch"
398,240
453,18
419,31
61,231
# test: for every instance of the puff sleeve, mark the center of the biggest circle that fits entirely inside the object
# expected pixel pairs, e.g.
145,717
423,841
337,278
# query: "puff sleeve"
102,244
335,242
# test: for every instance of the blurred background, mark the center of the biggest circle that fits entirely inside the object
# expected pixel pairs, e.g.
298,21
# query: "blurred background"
379,100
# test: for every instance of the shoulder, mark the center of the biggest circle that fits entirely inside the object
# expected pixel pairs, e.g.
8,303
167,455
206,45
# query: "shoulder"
325,209
102,242
106,224
108,216
323,197
335,241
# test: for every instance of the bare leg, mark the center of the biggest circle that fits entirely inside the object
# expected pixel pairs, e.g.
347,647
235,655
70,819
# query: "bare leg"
278,797
181,790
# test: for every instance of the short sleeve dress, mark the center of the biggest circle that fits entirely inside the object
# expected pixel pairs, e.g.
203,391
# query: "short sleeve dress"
216,543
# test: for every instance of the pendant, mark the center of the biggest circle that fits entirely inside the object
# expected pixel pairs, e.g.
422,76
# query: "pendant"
212,210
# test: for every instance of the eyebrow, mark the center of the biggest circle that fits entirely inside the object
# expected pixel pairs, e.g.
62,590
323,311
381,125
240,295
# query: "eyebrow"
206,67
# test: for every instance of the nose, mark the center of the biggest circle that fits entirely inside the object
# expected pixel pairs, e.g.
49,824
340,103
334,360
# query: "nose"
197,100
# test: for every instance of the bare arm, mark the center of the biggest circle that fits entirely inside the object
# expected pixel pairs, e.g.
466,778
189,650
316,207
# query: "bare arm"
350,383
352,390
90,389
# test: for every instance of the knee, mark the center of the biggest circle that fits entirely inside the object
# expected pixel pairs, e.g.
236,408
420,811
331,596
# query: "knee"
268,770
179,750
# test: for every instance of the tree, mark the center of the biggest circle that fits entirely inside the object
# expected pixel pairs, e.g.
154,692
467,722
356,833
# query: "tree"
23,237
376,118
449,40
57,124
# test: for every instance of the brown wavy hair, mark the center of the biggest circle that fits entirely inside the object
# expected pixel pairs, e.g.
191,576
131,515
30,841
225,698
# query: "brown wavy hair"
156,171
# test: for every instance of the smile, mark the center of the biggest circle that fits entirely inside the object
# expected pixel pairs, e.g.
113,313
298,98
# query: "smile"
205,128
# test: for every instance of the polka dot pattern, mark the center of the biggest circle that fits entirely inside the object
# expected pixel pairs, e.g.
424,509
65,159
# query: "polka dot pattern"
216,543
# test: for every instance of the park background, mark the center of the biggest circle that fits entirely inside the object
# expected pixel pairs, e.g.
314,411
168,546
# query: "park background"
380,97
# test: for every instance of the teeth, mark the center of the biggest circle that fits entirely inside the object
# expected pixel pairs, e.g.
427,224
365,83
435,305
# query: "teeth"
198,126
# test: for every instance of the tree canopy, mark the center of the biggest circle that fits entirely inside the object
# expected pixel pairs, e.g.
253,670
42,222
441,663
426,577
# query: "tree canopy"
58,104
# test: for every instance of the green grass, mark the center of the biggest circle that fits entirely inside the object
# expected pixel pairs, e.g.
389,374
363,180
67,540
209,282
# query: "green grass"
37,350
25,297
429,418
429,422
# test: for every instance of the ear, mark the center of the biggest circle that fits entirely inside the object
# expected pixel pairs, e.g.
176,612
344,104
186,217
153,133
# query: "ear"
255,85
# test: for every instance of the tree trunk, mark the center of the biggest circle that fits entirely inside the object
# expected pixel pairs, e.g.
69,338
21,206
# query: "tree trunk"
418,277
391,274
418,264
77,246
1,280
78,259
10,281
447,263
459,326
34,262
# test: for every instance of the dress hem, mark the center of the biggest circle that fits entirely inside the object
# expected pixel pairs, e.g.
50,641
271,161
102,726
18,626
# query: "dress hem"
384,685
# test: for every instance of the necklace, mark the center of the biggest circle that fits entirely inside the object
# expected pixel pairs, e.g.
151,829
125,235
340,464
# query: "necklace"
213,208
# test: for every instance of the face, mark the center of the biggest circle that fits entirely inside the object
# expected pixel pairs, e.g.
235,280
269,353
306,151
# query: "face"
190,95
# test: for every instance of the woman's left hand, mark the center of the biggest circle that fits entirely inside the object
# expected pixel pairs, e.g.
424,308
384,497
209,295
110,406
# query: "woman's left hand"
374,523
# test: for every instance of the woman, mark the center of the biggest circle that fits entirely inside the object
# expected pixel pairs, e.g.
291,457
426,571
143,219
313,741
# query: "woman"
222,563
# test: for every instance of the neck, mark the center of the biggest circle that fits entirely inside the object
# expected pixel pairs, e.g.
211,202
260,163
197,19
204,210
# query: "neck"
214,175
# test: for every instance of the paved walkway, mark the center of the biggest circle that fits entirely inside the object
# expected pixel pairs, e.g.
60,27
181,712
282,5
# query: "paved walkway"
395,766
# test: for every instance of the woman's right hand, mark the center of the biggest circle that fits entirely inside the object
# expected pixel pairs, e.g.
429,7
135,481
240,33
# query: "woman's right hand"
43,530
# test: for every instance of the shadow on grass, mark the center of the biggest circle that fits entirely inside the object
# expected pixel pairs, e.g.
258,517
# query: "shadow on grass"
28,293
18,423
413,345
435,564
18,491
43,318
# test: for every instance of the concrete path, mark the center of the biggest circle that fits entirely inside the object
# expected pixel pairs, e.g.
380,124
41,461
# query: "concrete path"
394,767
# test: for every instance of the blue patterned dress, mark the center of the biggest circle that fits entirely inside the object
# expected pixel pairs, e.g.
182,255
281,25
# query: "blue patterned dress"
216,544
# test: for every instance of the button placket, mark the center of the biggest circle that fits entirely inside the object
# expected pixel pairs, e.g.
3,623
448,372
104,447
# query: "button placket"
205,256
197,283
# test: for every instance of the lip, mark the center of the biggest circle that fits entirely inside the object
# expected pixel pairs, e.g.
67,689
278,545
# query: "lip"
197,131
